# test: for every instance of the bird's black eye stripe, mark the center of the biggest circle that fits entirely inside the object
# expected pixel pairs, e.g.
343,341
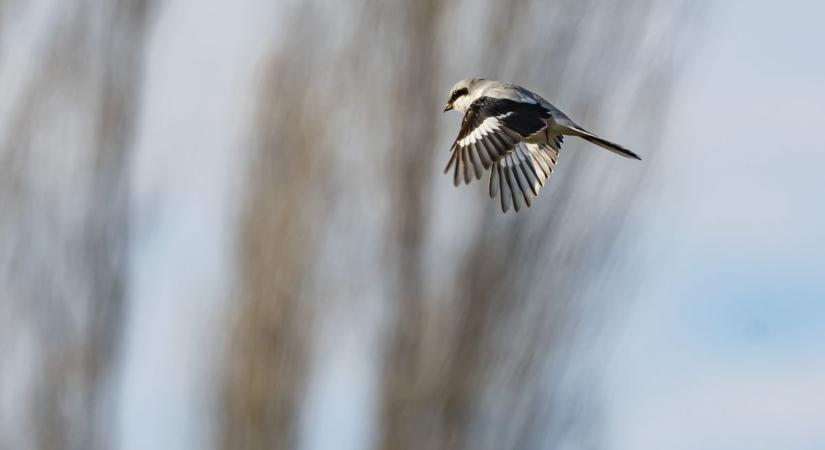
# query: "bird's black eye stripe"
458,93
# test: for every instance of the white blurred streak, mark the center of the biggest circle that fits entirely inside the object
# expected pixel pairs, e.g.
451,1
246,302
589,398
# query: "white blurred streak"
26,29
340,409
188,168
23,32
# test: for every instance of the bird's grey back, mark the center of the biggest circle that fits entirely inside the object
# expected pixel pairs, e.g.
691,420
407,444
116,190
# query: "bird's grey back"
497,89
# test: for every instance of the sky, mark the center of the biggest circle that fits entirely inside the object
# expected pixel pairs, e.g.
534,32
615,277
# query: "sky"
183,255
724,347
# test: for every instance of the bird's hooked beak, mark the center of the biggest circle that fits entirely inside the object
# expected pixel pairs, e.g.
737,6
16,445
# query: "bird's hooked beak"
448,107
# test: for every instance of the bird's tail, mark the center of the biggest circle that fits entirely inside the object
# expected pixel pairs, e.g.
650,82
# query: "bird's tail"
604,143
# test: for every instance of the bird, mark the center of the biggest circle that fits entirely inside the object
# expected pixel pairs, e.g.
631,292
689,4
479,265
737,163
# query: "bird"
515,134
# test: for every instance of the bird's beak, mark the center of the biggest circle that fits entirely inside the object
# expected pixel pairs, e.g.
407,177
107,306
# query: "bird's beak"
448,107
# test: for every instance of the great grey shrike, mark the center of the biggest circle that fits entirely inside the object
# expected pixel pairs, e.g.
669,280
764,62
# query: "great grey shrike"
515,134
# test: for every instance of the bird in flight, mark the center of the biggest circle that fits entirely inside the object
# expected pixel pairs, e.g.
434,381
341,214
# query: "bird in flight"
513,133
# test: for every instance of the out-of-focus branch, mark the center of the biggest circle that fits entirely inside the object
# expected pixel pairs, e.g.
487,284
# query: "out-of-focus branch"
267,359
64,219
412,163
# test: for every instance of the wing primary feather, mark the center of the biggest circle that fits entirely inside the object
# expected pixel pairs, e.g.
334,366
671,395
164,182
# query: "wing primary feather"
536,168
505,196
552,154
531,162
527,170
468,171
494,182
520,181
451,161
515,137
475,159
512,184
548,161
501,143
545,168
492,153
481,147
531,178
457,168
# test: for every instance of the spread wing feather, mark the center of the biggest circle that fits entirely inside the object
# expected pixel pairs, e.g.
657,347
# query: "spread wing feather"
522,174
490,130
492,138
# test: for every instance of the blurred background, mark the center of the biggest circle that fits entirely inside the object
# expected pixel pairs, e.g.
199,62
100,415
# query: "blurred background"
223,225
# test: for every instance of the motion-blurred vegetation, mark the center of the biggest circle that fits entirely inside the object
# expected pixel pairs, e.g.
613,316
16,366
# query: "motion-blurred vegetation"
345,239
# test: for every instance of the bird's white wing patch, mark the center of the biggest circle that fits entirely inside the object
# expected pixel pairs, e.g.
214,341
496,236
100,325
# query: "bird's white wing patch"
489,125
489,132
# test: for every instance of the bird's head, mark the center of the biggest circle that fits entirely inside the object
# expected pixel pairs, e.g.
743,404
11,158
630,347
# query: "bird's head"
460,96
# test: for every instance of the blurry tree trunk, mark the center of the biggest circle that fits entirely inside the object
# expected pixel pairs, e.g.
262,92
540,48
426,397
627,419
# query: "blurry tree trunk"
63,186
267,357
405,403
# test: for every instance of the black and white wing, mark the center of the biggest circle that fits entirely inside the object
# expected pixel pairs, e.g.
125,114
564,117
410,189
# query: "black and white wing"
520,175
492,137
491,129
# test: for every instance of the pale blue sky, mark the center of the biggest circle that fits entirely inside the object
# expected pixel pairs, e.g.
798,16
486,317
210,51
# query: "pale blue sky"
725,349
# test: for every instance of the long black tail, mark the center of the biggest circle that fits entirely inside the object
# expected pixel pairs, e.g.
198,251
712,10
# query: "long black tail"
604,143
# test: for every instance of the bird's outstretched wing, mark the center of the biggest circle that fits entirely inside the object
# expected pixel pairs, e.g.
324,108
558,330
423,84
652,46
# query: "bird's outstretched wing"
491,129
522,173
